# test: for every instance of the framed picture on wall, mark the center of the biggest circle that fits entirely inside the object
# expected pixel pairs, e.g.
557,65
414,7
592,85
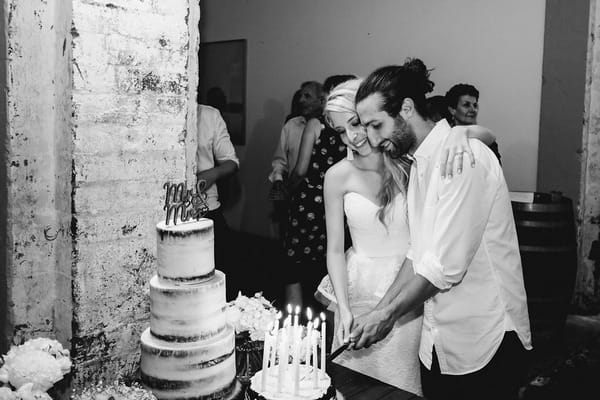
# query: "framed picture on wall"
222,83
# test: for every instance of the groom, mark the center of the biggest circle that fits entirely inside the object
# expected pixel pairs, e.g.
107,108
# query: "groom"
466,267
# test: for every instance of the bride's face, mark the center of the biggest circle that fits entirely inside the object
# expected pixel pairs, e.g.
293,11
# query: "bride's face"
353,134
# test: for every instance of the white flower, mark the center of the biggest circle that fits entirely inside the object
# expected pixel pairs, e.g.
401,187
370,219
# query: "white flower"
34,366
7,394
251,314
27,392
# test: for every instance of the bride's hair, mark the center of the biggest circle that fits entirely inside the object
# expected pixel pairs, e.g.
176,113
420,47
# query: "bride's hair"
393,182
341,98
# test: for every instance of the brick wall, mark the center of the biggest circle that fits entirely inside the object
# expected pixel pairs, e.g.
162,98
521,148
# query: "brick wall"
37,156
100,97
133,89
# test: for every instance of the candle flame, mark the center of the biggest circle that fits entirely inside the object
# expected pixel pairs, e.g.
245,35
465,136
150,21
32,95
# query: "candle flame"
289,308
297,311
316,322
309,313
322,315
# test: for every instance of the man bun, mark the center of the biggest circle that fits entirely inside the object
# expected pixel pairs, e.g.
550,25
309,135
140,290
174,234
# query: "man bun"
421,74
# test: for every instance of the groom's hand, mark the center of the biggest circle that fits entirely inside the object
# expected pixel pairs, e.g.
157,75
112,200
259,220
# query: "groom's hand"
370,328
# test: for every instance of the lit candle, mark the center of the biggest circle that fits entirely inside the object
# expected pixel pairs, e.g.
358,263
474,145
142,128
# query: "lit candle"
266,356
322,346
283,360
314,356
296,315
288,319
309,328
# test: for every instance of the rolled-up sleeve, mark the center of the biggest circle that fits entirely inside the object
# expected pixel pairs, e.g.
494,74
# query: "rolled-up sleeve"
280,161
222,146
460,217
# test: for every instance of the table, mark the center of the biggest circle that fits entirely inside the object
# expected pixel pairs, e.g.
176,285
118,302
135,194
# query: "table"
356,386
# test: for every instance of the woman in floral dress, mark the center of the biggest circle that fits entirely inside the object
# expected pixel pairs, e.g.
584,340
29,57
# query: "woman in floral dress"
305,242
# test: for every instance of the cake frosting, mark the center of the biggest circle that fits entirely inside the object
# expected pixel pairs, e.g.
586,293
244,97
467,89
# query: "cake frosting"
188,352
185,251
187,312
306,390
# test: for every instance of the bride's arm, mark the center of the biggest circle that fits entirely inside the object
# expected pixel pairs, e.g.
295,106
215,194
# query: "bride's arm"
336,261
403,276
457,143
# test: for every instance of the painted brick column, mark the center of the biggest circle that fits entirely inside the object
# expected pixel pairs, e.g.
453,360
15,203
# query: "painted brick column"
36,157
135,73
587,290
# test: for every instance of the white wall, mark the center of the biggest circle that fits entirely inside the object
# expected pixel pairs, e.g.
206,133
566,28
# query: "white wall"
495,45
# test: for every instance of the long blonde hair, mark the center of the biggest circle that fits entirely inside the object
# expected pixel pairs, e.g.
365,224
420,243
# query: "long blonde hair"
393,182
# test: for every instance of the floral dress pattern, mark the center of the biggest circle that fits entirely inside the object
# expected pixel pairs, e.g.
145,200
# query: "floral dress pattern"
306,240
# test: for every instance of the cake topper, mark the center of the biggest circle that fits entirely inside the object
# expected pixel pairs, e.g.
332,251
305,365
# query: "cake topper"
183,203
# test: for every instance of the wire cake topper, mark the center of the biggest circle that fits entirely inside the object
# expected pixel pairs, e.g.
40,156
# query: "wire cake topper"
184,204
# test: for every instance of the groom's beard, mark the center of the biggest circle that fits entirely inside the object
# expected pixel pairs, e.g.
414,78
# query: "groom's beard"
402,138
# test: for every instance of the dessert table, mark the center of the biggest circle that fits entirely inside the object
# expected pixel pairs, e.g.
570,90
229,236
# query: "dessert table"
355,386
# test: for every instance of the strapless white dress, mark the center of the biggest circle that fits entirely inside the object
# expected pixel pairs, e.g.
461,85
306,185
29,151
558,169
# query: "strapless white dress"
373,262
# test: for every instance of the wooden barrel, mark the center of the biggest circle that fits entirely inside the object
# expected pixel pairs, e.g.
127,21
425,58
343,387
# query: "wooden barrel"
547,243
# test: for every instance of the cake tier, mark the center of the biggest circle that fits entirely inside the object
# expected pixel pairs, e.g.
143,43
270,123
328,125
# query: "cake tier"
187,312
185,252
189,370
306,390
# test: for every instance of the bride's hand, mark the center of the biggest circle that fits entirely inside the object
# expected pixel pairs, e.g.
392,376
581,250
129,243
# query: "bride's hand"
455,146
346,321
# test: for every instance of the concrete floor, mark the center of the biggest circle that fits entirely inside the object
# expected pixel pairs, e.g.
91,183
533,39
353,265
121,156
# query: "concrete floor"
568,367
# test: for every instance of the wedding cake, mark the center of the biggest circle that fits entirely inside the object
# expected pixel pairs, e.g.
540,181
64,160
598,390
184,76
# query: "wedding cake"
188,352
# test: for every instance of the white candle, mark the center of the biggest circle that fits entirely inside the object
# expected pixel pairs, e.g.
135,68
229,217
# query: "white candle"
309,328
274,341
296,361
323,345
296,315
283,360
315,357
266,356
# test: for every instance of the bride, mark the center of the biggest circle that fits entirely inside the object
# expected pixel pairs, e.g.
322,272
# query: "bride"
369,188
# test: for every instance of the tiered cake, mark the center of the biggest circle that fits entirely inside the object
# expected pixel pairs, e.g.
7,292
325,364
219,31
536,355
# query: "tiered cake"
189,350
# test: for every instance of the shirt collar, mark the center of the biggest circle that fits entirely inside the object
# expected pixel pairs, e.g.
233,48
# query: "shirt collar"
433,140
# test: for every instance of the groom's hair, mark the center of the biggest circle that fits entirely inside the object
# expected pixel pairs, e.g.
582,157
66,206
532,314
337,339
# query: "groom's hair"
397,82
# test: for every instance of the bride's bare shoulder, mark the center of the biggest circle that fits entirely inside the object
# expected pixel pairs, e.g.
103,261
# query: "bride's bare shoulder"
339,170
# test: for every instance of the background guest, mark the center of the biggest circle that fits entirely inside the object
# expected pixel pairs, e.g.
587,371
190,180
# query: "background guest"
305,241
308,105
216,160
463,106
295,109
437,106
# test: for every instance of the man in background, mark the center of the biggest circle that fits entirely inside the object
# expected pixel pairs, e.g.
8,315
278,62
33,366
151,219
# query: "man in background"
216,160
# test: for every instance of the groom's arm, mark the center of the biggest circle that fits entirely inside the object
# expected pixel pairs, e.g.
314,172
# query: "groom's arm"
403,296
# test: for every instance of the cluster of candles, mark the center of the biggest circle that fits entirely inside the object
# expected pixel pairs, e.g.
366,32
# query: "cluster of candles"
286,341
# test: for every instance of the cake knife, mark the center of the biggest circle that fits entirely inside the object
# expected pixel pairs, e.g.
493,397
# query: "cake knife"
336,353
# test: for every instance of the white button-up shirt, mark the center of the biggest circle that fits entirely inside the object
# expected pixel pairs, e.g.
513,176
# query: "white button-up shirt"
214,146
286,153
464,242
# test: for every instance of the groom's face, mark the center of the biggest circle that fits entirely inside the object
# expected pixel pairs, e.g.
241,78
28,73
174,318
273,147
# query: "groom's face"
392,135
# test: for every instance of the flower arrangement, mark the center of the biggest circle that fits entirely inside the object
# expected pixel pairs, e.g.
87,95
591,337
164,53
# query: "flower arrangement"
251,314
29,370
117,391
250,317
